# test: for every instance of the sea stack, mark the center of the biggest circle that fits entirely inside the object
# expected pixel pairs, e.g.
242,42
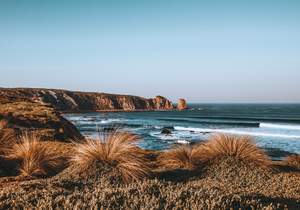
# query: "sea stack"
182,104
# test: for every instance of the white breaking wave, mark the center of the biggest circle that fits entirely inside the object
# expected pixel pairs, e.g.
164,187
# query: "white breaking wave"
78,118
182,142
280,126
83,122
110,121
238,132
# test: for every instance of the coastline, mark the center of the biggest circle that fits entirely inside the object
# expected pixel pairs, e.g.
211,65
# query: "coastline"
118,110
74,101
176,176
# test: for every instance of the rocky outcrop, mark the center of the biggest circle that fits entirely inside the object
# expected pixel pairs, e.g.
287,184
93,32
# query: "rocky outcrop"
36,118
37,110
182,104
72,101
161,103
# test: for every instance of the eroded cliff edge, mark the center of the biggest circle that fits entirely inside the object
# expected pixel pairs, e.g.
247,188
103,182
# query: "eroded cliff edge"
74,101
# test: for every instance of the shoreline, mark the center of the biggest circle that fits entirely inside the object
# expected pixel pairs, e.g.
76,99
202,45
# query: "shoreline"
118,110
217,174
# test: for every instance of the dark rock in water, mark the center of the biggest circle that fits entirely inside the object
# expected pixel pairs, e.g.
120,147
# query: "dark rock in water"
205,133
39,119
166,131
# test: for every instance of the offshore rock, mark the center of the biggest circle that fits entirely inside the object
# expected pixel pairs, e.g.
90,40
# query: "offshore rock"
182,105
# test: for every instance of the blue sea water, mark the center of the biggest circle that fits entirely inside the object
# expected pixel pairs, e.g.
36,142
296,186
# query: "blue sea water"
273,126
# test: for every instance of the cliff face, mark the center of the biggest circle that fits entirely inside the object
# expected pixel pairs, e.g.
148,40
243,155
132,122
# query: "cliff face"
71,101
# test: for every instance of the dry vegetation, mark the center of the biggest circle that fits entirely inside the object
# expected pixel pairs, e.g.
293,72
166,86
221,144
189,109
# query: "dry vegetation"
3,123
293,161
115,150
240,147
6,140
184,157
35,159
229,177
220,145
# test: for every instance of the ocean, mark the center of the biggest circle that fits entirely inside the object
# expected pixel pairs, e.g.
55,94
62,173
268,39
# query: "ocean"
274,127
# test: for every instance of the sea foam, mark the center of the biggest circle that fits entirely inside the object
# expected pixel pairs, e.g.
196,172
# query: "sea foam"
280,126
238,132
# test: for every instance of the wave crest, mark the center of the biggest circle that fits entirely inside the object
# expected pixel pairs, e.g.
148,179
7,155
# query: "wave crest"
237,132
280,126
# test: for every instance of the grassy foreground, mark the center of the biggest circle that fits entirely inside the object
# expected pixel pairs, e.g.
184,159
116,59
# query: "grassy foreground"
226,172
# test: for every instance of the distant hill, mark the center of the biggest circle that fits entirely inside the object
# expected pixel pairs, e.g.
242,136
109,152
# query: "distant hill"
75,101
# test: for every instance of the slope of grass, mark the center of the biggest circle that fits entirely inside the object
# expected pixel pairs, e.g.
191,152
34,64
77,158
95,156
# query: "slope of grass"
228,179
293,161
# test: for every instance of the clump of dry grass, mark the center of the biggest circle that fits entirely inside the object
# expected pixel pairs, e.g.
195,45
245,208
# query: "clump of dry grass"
241,147
293,161
3,123
184,157
6,140
218,146
116,150
35,158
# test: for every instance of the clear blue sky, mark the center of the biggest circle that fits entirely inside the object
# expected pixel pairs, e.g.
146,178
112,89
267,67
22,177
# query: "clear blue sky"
205,51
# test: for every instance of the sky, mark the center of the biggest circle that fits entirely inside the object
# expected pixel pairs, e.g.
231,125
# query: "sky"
204,51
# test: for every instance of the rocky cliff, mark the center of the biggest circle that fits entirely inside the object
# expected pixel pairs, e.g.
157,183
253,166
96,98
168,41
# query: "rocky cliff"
72,101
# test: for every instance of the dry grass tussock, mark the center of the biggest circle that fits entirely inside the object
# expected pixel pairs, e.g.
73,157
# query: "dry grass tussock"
6,140
241,147
293,161
184,157
218,146
3,124
116,150
35,158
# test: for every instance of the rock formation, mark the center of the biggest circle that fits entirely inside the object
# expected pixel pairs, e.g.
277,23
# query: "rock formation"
166,131
161,103
71,101
182,104
42,120
37,110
